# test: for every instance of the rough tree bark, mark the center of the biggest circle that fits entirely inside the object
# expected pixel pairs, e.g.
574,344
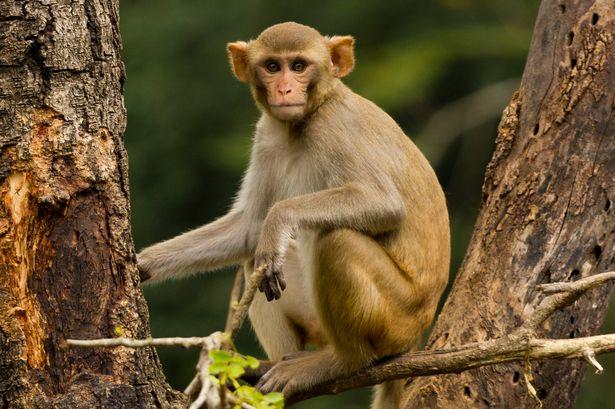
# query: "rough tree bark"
547,214
67,262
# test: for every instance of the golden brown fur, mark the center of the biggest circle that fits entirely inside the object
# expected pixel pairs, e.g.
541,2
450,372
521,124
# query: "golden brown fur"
338,204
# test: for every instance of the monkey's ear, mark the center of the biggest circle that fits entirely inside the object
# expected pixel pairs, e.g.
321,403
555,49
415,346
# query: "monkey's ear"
342,54
238,57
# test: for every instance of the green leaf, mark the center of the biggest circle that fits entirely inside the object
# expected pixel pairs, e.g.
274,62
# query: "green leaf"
240,360
220,356
218,368
235,370
274,397
252,362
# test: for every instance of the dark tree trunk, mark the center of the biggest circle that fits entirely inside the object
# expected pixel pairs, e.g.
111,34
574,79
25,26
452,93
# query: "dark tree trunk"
547,214
67,267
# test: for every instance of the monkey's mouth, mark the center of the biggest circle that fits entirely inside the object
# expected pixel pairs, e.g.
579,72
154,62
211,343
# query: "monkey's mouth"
288,112
287,105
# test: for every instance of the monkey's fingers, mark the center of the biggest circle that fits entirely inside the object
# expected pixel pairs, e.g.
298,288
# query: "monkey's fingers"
144,275
272,289
265,288
261,286
273,282
281,281
266,384
269,289
269,293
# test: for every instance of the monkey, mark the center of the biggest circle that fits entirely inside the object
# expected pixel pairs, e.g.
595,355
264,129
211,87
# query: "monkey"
339,207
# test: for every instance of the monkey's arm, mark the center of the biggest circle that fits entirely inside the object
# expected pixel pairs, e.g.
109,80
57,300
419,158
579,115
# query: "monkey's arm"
357,206
217,244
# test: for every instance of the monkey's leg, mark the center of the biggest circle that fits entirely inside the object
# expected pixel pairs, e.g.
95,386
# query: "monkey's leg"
276,333
282,326
366,306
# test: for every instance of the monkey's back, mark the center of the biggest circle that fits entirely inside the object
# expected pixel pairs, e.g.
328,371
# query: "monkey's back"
421,245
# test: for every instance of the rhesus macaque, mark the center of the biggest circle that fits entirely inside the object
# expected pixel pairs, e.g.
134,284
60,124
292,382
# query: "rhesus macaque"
338,204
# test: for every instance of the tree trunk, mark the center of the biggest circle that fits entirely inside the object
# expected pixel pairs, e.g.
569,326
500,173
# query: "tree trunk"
67,267
547,214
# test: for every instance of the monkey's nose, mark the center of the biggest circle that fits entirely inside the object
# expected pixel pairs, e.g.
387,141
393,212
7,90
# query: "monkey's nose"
285,90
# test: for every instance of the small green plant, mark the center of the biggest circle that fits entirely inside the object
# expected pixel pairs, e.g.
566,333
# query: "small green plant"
227,367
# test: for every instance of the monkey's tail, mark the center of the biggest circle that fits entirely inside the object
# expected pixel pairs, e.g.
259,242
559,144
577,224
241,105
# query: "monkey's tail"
388,395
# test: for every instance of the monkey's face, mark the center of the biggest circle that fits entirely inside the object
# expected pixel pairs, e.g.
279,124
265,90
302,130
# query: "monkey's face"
291,68
284,80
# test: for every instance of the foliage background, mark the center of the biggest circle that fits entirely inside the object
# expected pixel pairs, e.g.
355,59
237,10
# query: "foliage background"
443,69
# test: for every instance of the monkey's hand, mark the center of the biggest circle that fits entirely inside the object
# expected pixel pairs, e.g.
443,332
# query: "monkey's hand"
144,266
270,253
273,281
144,273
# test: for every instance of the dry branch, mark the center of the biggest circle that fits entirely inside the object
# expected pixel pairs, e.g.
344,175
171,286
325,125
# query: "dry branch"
239,312
190,342
577,286
234,301
425,363
521,344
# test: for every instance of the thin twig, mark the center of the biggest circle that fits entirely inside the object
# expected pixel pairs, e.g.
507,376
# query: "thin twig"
241,311
590,357
236,315
209,395
190,342
234,299
563,295
204,382
193,387
583,284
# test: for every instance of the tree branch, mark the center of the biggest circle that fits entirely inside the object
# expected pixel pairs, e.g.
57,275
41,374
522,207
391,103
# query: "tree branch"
563,295
581,286
190,342
239,312
519,345
425,363
234,301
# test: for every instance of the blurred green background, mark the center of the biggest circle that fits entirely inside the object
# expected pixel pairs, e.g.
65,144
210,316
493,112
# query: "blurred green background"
443,69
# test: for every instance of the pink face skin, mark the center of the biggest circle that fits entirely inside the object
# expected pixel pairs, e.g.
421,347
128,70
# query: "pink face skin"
286,79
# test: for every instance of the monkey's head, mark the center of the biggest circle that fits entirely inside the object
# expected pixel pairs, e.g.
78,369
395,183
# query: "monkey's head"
291,68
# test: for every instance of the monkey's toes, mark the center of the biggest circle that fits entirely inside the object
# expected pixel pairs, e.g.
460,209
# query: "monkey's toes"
284,377
272,385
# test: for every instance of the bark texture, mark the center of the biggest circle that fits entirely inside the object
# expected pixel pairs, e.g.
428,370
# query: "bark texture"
67,261
547,214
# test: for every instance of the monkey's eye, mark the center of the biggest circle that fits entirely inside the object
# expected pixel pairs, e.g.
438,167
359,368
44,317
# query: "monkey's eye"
272,66
298,66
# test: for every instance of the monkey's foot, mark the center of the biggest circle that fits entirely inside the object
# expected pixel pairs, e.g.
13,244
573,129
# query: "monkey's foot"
297,374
